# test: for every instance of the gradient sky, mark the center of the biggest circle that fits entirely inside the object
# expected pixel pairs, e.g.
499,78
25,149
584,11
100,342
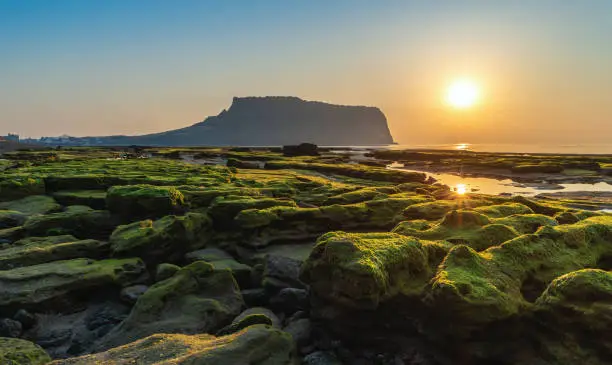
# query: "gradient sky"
87,67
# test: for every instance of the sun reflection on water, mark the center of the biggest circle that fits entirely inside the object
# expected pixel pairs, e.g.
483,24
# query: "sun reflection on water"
461,189
462,146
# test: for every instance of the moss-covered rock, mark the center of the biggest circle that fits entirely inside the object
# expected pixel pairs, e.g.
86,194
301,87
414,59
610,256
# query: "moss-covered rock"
289,223
461,227
438,209
20,186
80,221
11,218
257,344
165,271
527,223
197,299
33,285
44,251
144,200
245,322
95,199
14,351
224,209
36,204
503,210
168,238
502,281
361,270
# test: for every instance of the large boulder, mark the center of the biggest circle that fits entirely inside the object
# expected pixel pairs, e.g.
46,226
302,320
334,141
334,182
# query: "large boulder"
223,210
197,299
360,270
258,344
166,239
147,201
14,351
32,286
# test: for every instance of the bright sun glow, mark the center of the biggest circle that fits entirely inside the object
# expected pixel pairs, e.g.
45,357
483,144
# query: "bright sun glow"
462,94
461,189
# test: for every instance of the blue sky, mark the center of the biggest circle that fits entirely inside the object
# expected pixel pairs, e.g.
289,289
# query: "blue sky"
134,66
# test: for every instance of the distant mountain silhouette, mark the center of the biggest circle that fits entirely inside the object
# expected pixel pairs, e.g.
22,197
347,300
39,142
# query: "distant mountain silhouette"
271,121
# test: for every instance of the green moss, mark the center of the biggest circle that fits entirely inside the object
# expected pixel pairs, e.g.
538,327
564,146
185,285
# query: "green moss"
41,251
197,299
95,199
503,210
247,321
491,285
11,218
82,222
257,344
224,209
167,238
34,285
438,209
14,351
36,204
362,270
527,223
144,200
352,170
165,271
16,187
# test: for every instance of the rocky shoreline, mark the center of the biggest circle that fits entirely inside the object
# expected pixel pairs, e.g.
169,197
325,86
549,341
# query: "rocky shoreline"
109,257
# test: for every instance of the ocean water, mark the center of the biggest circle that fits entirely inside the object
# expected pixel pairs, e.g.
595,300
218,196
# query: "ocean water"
597,149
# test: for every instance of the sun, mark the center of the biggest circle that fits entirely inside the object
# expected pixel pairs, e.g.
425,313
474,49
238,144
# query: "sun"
462,94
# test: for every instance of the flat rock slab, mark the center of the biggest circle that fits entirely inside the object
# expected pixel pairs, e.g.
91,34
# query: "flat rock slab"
31,285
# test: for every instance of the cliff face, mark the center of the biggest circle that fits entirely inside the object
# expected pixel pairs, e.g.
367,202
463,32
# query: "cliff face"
268,121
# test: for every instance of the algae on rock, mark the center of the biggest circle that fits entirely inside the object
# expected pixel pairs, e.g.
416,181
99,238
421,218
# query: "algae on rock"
31,286
256,345
196,299
168,238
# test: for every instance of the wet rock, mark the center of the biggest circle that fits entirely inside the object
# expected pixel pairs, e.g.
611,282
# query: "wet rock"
27,319
290,300
321,358
243,323
55,338
281,272
303,149
165,271
14,351
131,294
255,297
276,322
300,330
10,328
11,218
208,255
106,315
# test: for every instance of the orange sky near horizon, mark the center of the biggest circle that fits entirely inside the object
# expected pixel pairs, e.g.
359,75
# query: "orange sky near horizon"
544,70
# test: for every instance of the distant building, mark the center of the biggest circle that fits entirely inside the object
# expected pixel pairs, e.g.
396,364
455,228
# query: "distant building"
12,137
